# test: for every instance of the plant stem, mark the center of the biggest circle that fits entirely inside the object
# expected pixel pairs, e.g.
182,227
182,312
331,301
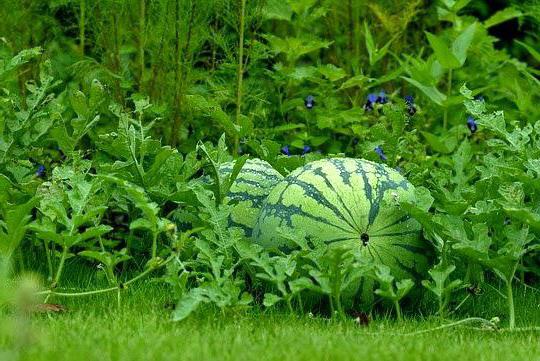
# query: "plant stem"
240,72
177,77
289,304
77,294
60,266
82,25
154,244
441,307
398,311
49,260
339,307
332,310
142,26
300,304
116,55
448,93
511,309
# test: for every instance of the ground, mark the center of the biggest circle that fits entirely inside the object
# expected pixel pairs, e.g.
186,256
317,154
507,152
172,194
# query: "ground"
95,328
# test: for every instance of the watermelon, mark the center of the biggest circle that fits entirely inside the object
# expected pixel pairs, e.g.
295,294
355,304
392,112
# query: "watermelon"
351,202
249,191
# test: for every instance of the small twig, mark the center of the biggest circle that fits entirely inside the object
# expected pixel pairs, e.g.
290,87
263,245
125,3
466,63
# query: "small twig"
526,285
496,290
121,286
490,325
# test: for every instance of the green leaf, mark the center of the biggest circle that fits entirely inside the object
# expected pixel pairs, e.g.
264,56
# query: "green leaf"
431,91
93,232
442,52
23,57
331,72
524,215
79,103
375,54
502,16
187,305
442,144
440,285
277,10
13,225
403,287
531,50
300,284
238,165
271,299
355,81
462,43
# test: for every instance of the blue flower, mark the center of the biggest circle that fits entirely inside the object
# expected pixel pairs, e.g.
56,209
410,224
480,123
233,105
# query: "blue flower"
382,98
409,102
309,102
371,100
471,123
40,172
285,150
378,149
306,149
479,98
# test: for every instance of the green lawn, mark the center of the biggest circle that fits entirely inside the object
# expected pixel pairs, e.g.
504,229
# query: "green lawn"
95,328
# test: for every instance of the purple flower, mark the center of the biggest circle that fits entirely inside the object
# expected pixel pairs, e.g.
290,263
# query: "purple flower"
382,98
306,149
285,150
309,102
378,149
471,123
40,172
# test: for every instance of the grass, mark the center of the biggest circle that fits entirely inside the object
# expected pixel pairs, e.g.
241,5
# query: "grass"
95,328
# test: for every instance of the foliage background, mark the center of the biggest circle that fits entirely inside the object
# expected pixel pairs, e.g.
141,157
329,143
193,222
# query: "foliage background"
109,109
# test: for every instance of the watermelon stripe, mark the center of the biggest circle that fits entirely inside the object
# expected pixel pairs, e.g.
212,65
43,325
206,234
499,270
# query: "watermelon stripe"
343,204
250,169
247,230
312,192
292,210
400,220
343,173
411,248
411,270
369,196
341,239
375,250
396,234
248,197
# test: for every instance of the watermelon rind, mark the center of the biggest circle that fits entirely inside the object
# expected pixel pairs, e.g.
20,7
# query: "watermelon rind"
249,191
346,202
